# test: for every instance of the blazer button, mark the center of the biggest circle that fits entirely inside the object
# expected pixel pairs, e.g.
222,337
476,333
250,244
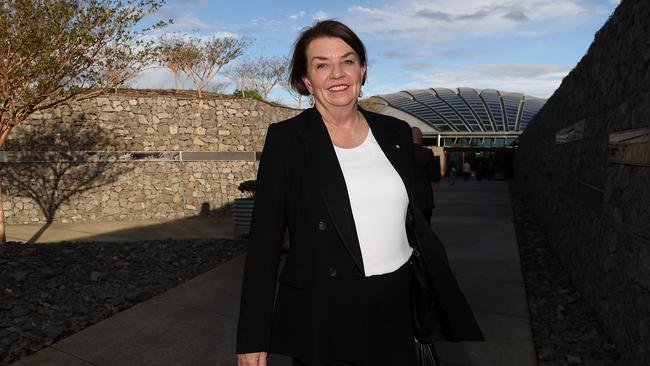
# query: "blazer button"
322,225
332,272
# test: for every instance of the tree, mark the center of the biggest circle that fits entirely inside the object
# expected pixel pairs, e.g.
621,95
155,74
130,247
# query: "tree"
268,72
174,52
206,58
217,86
262,73
53,52
286,85
241,75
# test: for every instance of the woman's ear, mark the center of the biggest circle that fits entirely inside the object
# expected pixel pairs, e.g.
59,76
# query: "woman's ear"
364,68
307,83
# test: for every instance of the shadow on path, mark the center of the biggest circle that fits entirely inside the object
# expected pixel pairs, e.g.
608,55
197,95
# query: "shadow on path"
195,323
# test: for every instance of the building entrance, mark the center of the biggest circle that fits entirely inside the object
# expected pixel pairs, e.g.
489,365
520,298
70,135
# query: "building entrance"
484,164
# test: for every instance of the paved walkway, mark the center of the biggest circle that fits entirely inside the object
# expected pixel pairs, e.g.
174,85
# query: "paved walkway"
194,323
186,228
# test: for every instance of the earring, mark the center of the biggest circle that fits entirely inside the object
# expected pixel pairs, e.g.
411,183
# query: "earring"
311,100
360,93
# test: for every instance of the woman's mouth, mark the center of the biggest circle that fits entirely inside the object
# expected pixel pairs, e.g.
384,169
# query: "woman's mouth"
338,88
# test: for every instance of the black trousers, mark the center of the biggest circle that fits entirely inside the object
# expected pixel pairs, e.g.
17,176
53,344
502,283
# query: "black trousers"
390,328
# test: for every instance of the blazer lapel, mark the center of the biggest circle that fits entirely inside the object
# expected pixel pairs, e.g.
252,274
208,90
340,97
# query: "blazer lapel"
325,168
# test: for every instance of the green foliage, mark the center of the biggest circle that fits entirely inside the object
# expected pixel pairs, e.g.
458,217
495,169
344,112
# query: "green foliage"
247,93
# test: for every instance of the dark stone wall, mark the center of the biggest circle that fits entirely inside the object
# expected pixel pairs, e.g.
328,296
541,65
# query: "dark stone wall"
596,212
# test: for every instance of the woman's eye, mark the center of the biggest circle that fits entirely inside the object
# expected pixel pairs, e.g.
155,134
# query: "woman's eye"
349,62
320,66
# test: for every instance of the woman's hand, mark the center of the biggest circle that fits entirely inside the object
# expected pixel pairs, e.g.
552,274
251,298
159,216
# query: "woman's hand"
252,359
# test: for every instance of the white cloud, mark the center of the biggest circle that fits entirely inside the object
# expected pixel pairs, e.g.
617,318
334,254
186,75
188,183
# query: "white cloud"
162,78
539,80
445,20
320,15
189,22
298,15
155,78
516,70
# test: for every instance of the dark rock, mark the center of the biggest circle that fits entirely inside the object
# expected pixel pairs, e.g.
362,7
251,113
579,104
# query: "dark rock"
94,276
79,284
20,311
568,334
19,275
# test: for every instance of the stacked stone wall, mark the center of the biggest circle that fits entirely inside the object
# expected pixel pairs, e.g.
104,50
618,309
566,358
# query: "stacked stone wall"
595,209
119,186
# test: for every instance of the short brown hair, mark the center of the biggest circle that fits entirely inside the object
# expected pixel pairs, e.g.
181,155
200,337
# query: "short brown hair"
324,28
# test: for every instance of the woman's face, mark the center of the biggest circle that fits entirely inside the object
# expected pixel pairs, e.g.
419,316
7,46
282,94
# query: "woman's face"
334,72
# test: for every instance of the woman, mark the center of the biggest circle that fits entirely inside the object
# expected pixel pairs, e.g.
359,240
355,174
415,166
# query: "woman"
342,180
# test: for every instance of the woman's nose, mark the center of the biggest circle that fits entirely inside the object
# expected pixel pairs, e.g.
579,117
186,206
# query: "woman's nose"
337,72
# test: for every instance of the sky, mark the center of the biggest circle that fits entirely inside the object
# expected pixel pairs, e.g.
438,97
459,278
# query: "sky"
525,46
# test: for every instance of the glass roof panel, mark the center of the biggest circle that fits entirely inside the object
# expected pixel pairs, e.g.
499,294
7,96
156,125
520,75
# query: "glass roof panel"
429,99
529,110
511,102
467,109
462,108
471,97
405,103
493,101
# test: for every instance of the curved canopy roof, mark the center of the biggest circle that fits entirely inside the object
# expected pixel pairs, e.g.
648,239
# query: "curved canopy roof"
466,110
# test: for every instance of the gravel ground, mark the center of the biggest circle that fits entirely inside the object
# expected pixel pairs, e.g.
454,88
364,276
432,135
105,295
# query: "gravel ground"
50,291
564,323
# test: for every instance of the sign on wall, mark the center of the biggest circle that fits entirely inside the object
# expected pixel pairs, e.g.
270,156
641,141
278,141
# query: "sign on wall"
570,134
630,147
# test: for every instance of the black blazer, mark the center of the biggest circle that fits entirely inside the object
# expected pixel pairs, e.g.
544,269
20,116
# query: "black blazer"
427,170
320,314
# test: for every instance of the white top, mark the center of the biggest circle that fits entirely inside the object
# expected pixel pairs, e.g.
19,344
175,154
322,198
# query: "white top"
379,202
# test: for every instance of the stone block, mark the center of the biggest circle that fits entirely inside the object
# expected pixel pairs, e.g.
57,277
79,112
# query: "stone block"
102,101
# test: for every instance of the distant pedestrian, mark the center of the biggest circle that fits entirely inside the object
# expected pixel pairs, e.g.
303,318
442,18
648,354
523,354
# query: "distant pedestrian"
427,170
467,171
452,173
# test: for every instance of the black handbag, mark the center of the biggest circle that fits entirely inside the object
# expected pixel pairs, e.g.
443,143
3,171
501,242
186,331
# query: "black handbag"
425,355
427,325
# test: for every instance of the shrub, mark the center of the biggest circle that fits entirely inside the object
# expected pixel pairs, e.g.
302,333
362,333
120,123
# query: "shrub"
247,187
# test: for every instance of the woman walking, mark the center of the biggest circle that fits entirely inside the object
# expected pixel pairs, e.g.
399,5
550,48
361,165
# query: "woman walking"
343,181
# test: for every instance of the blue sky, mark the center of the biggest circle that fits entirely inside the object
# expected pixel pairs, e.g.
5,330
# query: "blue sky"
523,46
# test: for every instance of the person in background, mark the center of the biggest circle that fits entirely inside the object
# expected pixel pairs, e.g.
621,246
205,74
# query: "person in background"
342,180
427,170
452,173
467,171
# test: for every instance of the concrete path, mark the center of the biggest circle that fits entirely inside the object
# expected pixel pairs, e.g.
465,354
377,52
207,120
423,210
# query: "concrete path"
474,220
186,228
194,323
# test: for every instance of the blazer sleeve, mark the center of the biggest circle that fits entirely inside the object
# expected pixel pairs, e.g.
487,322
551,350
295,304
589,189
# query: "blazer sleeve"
263,252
